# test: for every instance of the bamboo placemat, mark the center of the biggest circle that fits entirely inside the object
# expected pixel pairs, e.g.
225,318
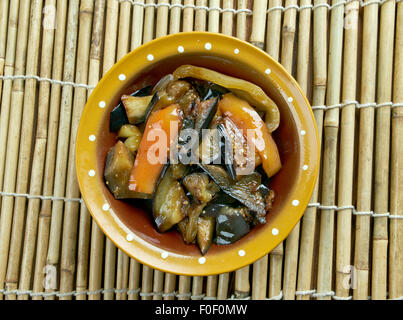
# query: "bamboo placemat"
347,56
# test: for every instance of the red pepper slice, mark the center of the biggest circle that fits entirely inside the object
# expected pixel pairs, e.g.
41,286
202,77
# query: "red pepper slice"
160,132
245,117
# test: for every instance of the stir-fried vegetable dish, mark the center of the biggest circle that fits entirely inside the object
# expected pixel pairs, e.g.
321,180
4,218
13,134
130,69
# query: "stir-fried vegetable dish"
197,149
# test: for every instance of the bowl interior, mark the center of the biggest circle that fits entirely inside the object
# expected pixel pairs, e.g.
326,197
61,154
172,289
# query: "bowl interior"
137,218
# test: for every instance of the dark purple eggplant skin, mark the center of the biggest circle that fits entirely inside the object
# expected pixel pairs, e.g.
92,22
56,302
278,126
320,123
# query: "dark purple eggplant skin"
199,119
150,107
227,152
230,226
118,116
205,114
244,190
206,89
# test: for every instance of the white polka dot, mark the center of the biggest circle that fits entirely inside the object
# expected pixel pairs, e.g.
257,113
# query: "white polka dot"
290,99
202,260
236,51
102,104
91,173
92,137
130,237
164,255
122,77
303,132
241,253
106,207
305,167
267,71
181,49
295,203
207,46
150,57
274,231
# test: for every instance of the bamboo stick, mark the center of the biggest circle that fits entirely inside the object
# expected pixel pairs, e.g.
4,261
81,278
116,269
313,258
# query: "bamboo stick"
188,14
122,271
227,18
146,283
134,279
9,64
137,25
158,284
200,16
96,259
111,25
169,286
331,128
396,178
346,159
309,225
259,278
21,180
241,20
87,267
71,210
175,17
38,161
292,242
211,286
382,152
149,22
83,244
365,151
288,35
53,253
51,145
257,36
13,135
122,275
197,288
184,288
242,286
124,30
223,282
161,28
3,39
273,30
214,16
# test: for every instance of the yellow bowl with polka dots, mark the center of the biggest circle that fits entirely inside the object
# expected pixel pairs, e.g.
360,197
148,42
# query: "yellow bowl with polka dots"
127,223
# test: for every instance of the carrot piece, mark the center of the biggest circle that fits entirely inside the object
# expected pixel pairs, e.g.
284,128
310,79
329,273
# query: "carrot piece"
160,132
245,117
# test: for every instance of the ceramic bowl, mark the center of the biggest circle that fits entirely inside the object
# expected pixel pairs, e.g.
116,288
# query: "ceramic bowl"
129,226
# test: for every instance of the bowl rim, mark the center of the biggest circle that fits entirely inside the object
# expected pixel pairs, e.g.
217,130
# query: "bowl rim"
135,246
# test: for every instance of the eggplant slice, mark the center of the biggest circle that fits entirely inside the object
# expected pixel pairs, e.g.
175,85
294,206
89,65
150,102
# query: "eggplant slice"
227,151
118,116
245,190
119,163
231,225
205,233
200,186
206,89
170,203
